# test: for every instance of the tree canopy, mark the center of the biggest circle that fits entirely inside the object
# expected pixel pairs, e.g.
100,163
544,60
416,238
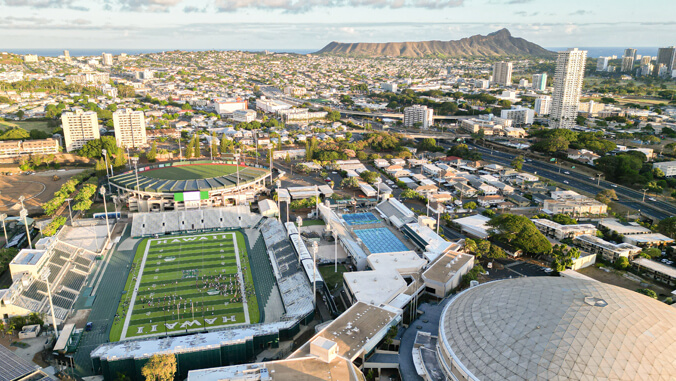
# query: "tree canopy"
160,368
519,232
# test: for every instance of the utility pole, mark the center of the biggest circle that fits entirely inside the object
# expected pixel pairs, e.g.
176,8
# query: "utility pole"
279,215
644,190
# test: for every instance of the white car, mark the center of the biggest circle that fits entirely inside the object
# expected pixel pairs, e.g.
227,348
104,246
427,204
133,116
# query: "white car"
548,270
613,185
652,199
566,182
567,173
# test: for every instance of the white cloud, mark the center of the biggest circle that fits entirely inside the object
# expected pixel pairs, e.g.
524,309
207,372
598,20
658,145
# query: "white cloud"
42,4
299,6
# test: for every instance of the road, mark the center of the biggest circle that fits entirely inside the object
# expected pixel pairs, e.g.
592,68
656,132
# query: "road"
627,197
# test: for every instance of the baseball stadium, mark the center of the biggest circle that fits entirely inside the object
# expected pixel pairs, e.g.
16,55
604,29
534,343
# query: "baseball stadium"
189,185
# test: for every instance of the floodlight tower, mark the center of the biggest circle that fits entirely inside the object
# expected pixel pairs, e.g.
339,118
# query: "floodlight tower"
21,200
315,249
105,207
70,211
3,217
45,277
24,214
279,214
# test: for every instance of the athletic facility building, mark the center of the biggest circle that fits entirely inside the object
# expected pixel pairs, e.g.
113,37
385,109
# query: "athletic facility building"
190,185
547,328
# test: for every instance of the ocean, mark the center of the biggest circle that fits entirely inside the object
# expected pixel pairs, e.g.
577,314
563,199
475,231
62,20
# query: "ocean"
97,52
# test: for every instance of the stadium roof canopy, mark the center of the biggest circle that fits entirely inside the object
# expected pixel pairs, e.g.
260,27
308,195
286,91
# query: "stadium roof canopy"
549,328
128,180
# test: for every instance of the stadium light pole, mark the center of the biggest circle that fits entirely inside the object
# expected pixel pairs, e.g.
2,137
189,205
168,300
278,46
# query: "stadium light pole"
104,152
3,217
335,252
378,185
279,215
315,248
24,214
316,201
105,207
45,277
21,200
70,211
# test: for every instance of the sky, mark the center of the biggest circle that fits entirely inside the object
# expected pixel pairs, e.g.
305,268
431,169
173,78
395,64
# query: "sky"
311,24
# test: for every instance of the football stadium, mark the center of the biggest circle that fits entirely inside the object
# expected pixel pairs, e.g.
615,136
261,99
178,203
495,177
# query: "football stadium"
189,184
187,283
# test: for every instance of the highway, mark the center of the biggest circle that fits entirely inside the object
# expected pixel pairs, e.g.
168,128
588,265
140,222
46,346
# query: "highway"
576,180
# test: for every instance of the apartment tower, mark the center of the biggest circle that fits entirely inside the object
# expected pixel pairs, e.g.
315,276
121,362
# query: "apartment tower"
79,127
567,88
502,73
130,128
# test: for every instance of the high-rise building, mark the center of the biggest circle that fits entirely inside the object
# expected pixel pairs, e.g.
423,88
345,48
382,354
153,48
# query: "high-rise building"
602,63
130,128
628,60
107,59
418,114
519,115
666,57
543,104
502,73
567,88
66,55
540,81
79,127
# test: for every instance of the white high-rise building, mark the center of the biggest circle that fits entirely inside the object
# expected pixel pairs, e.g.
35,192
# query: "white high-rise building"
567,88
519,115
79,127
602,63
107,59
540,82
130,128
502,73
418,114
543,104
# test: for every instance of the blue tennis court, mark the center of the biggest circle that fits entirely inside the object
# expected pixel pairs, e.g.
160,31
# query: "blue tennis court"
360,218
380,240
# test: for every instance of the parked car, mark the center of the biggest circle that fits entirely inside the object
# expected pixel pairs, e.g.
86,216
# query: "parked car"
566,182
652,199
89,326
567,173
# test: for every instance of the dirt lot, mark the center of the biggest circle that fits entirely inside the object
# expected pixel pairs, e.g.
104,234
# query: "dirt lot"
38,189
624,280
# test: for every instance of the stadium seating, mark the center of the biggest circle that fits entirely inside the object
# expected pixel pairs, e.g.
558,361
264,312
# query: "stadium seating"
150,224
73,280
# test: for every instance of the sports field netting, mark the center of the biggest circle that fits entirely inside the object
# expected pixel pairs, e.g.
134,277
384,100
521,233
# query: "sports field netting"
187,283
380,240
360,218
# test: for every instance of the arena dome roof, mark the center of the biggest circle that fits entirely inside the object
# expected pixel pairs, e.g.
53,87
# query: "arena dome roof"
551,328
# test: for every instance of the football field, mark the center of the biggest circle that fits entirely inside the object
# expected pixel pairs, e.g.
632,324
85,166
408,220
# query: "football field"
186,284
197,171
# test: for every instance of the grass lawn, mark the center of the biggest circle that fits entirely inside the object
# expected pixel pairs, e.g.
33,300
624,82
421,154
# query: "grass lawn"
313,222
332,279
188,282
190,172
28,125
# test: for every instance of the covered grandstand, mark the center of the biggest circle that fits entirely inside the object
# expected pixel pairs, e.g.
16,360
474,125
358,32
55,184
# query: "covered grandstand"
156,188
193,221
68,267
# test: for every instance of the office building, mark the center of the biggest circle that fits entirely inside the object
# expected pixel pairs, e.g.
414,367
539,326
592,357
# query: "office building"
519,115
228,106
602,63
88,78
107,59
245,116
130,128
666,57
295,91
389,86
418,114
668,167
628,60
271,105
567,88
66,55
79,127
502,73
543,104
30,58
540,82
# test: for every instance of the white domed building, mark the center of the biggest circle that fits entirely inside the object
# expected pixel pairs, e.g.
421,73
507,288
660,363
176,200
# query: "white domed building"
547,328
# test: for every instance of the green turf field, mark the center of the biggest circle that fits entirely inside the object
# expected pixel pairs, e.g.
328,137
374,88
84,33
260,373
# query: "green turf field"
192,172
179,285
28,125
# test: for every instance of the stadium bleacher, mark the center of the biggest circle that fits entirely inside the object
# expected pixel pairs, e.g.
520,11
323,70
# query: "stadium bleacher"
160,223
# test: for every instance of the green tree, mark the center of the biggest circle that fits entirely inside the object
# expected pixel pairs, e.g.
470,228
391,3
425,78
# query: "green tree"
667,227
470,205
160,368
349,182
647,292
621,263
520,232
652,252
197,150
517,163
152,154
369,176
606,196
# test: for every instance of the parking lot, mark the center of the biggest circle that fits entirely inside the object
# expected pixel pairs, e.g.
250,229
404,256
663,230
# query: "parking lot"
512,268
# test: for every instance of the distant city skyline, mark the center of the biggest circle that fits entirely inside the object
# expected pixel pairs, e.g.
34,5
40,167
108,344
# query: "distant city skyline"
311,24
